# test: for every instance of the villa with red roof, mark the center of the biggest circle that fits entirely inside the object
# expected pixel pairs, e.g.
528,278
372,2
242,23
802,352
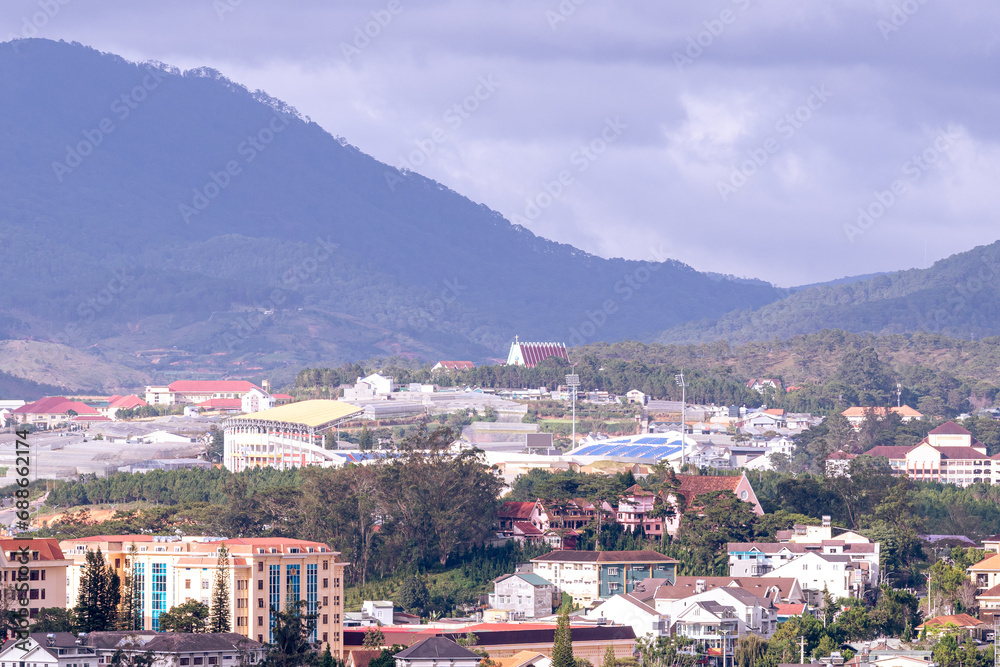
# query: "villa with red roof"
116,403
194,392
532,354
52,412
692,486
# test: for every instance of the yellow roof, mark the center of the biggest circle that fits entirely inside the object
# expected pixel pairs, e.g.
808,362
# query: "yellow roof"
310,413
519,658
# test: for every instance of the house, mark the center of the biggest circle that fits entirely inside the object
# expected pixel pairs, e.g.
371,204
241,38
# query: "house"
58,649
760,385
633,512
380,610
625,609
692,486
47,569
856,415
116,403
173,649
361,657
525,659
838,463
662,594
193,392
969,625
256,400
532,354
986,574
766,420
523,596
589,576
819,573
453,366
369,388
52,412
437,652
723,614
636,396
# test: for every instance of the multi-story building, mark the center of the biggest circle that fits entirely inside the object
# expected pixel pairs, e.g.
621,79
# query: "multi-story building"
46,571
288,436
948,454
265,574
589,576
718,617
633,512
192,392
523,596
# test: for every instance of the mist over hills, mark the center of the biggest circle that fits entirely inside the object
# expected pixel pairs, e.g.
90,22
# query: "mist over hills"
178,223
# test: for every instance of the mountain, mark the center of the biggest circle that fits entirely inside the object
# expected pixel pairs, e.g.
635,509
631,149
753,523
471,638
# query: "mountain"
958,296
181,225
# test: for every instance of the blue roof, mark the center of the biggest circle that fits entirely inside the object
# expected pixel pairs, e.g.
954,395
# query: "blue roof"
632,449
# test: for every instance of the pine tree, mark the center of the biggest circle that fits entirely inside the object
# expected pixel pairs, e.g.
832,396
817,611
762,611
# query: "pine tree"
609,657
562,646
221,612
100,593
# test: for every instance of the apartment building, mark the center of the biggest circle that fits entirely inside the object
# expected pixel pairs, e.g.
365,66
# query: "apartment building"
589,576
264,574
46,571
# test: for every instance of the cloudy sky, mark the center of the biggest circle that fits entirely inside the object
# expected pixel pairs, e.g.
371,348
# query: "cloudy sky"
786,140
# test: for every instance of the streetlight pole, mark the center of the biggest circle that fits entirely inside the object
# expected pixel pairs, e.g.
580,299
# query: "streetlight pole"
679,378
573,381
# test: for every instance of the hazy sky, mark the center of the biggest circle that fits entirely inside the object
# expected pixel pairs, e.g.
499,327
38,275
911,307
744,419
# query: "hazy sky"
741,136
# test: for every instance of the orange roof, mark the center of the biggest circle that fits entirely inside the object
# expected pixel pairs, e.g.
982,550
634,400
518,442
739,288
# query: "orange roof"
518,658
780,412
199,386
960,620
47,548
859,411
991,563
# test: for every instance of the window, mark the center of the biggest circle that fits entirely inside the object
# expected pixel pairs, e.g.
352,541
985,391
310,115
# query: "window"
260,567
326,565
613,571
260,584
260,621
326,619
260,603
326,583
204,584
199,661
185,661
187,583
118,563
325,637
326,601
212,660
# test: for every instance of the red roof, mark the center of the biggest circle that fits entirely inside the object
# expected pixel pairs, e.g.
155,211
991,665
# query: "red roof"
515,510
281,397
222,404
212,386
841,455
780,412
790,609
695,485
949,428
457,365
527,528
535,353
47,548
959,620
55,405
91,418
126,402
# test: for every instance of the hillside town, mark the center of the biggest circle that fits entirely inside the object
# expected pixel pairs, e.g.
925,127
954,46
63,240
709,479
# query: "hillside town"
693,476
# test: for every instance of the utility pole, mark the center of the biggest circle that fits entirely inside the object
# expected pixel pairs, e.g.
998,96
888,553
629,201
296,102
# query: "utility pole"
802,649
679,378
899,395
573,381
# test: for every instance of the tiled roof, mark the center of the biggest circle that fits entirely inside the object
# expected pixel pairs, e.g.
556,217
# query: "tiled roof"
361,657
515,510
961,620
222,404
47,548
790,609
685,586
125,402
527,528
173,642
841,455
950,428
960,453
695,485
565,555
458,365
437,648
991,563
889,451
990,593
55,405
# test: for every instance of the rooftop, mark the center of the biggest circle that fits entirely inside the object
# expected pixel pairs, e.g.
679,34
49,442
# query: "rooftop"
312,413
565,555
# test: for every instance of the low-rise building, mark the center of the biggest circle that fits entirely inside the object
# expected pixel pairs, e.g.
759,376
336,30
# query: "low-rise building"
437,652
47,570
721,616
52,412
625,609
856,415
193,392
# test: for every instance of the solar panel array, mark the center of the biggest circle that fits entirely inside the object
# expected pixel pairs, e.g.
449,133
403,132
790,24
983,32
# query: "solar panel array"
650,447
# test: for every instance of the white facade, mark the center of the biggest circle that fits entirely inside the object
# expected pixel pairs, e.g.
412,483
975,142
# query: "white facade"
523,595
256,400
821,573
704,616
644,620
579,580
380,610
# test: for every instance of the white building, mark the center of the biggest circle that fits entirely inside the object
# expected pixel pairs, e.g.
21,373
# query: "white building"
820,573
627,610
523,596
725,612
256,400
380,610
